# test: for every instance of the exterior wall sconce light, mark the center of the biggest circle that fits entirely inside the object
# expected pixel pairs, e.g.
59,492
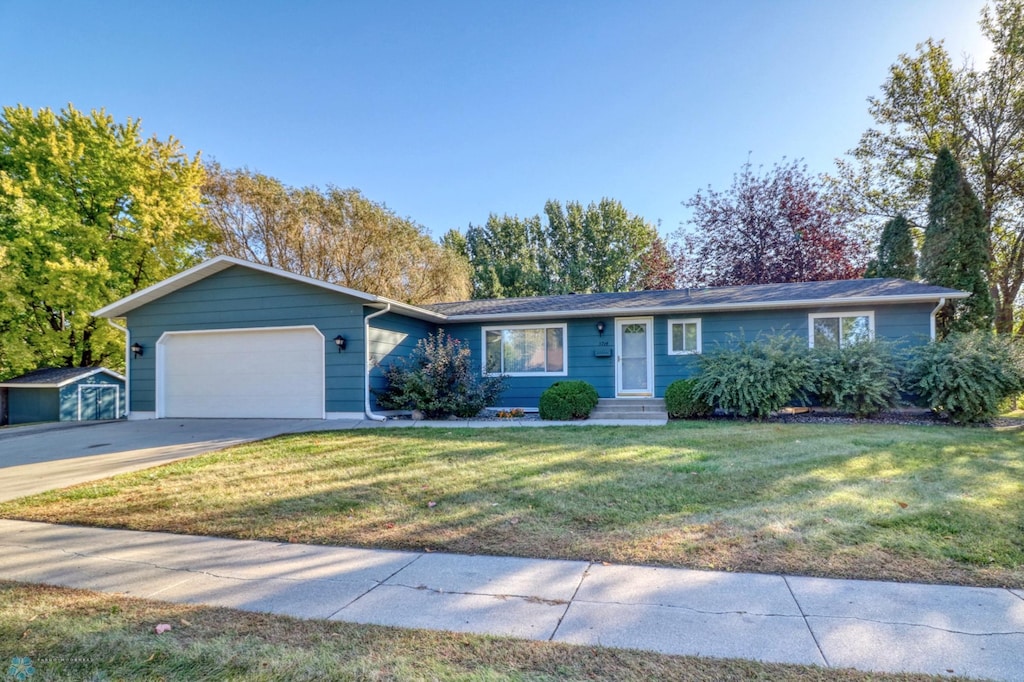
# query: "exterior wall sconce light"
600,328
339,341
136,350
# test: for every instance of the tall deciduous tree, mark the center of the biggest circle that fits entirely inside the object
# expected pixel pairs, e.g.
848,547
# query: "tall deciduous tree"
595,248
928,103
659,267
578,249
955,252
775,227
335,235
508,255
896,256
90,211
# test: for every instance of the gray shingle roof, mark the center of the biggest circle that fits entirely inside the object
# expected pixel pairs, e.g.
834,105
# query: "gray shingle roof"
55,375
737,297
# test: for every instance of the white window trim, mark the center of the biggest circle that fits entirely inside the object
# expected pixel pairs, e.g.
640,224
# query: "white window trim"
811,317
565,349
700,343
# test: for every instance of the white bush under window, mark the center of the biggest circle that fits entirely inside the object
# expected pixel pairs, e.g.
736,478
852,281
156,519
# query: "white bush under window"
684,337
524,350
840,330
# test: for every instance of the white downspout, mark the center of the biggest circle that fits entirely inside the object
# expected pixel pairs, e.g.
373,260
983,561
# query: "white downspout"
366,350
931,318
127,367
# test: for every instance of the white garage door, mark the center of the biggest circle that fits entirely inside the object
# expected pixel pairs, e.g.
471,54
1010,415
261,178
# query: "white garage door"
267,373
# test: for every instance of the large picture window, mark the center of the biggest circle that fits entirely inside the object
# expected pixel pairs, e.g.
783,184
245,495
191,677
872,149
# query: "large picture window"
840,330
684,337
524,350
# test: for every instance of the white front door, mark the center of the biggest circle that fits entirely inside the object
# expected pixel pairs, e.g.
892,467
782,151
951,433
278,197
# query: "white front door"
634,356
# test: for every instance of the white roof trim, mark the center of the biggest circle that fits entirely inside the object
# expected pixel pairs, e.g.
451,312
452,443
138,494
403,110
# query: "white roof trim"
221,263
623,311
98,370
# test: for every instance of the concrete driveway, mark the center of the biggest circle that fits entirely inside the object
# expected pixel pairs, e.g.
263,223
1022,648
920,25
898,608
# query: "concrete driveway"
38,458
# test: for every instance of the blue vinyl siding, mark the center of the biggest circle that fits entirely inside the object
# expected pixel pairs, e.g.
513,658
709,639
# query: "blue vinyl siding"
239,298
97,404
907,324
392,339
581,341
903,323
27,405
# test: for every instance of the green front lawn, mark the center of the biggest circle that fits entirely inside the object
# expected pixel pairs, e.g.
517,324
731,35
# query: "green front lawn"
76,635
931,504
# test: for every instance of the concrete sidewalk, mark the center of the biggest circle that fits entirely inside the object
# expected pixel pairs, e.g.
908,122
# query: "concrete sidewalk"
976,632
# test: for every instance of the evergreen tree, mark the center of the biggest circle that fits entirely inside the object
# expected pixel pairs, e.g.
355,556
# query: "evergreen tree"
956,251
896,257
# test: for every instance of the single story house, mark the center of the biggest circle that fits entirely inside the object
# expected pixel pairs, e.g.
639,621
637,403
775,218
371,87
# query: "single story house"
64,394
230,338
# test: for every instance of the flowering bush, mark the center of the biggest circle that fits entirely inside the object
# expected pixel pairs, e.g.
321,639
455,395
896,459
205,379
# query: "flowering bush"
438,380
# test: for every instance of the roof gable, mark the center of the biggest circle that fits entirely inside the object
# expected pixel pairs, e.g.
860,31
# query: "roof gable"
211,267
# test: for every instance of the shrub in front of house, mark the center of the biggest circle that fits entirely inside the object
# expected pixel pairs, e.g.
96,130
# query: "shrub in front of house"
754,379
862,379
564,400
438,379
681,403
967,376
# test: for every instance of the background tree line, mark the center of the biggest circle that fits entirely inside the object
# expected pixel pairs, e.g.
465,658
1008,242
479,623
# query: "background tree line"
600,247
90,211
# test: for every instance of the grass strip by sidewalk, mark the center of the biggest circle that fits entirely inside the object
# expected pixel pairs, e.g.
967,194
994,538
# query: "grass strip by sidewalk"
929,504
78,635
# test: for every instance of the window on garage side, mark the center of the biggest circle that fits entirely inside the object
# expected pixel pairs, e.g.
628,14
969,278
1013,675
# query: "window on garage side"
684,337
525,350
840,330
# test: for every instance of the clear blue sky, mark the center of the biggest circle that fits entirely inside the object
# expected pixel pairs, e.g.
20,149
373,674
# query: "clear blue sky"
448,111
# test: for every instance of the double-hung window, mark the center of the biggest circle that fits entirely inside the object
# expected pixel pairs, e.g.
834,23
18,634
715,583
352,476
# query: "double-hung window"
525,350
684,337
840,330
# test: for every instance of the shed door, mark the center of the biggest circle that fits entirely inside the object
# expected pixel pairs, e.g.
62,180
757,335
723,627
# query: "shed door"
273,372
98,401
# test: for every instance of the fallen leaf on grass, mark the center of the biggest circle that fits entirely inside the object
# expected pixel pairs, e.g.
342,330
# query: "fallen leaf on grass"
903,505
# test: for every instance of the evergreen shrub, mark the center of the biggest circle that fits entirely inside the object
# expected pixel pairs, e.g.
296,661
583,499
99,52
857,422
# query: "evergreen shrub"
681,403
967,375
565,400
754,379
862,379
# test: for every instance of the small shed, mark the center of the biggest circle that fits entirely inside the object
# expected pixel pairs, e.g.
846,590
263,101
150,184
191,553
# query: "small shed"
64,394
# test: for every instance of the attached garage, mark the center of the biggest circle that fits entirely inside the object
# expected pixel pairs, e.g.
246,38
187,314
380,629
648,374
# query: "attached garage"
267,372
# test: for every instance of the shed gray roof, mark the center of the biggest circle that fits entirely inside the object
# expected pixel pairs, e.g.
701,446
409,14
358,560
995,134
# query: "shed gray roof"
57,376
805,294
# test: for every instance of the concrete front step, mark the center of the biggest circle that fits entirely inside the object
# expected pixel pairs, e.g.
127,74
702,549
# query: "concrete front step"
653,416
630,408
